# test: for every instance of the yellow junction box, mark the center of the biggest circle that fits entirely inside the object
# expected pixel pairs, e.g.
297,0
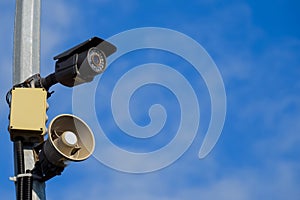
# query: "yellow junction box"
28,114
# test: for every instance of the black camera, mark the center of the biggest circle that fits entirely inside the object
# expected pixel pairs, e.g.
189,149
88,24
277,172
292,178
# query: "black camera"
80,64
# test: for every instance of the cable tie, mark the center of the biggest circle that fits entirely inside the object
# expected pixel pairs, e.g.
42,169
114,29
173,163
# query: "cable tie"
14,178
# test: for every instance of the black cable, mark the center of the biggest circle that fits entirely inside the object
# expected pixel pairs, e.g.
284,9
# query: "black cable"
28,182
24,183
19,168
8,97
20,165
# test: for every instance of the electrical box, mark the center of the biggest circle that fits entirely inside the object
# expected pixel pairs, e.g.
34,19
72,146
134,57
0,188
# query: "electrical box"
28,114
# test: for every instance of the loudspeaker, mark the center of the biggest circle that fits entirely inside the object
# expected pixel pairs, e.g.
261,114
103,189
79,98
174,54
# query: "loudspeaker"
69,139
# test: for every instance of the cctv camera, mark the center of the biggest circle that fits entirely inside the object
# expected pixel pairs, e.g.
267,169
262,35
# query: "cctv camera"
80,64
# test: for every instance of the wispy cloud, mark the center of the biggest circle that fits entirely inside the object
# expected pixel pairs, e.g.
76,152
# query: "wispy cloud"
261,77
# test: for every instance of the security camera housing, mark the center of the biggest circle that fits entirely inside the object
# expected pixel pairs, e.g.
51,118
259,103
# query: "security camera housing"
73,66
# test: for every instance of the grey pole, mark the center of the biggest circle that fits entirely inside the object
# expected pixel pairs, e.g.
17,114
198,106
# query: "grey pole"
26,63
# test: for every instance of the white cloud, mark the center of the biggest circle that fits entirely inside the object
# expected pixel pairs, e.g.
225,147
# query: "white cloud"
276,181
276,173
57,21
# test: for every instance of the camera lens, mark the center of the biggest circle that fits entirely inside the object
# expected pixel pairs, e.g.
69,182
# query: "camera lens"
97,60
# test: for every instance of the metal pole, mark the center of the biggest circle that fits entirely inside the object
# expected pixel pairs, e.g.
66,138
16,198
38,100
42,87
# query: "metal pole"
27,63
26,40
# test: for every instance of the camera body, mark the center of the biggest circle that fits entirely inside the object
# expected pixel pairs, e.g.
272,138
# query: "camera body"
83,62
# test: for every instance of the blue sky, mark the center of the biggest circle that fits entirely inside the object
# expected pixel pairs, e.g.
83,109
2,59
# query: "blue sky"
256,46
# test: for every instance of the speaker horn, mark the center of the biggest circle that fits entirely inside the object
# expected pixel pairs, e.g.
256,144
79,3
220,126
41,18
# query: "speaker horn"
69,139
